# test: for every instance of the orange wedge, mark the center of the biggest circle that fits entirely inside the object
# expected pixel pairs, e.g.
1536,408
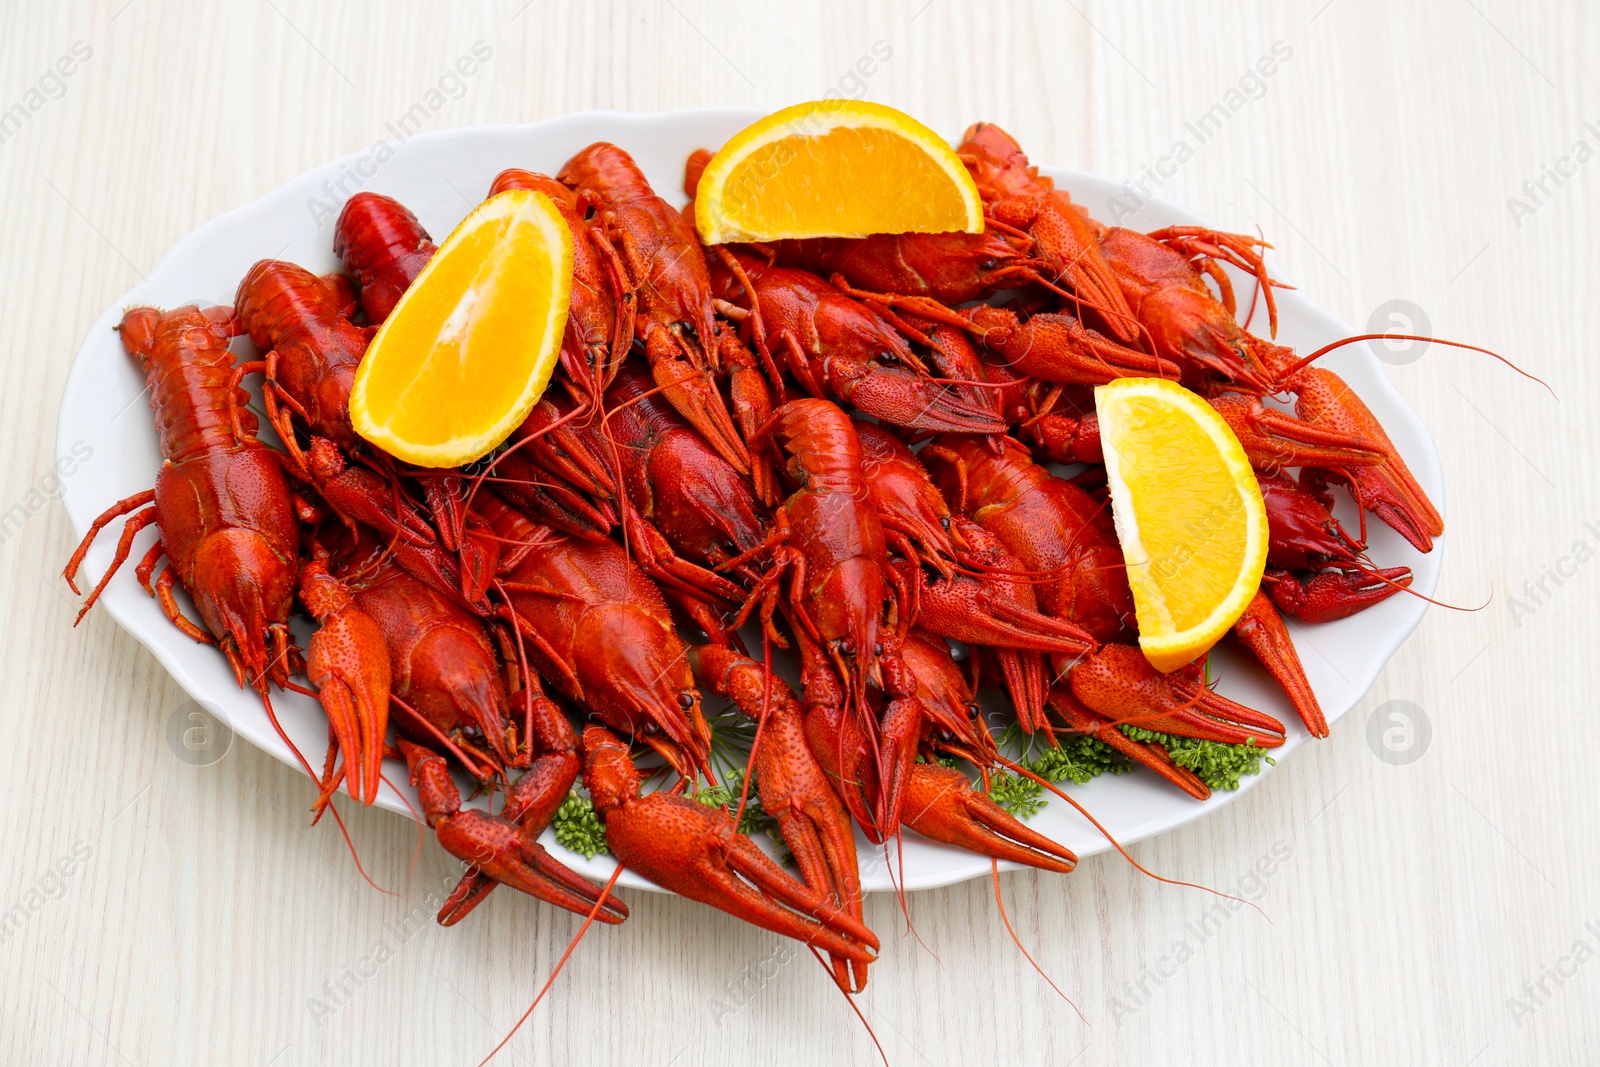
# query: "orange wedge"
1189,515
468,350
834,168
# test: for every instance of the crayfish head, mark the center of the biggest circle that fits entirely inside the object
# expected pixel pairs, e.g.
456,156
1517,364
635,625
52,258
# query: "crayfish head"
452,680
711,505
517,178
641,685
242,585
848,611
998,164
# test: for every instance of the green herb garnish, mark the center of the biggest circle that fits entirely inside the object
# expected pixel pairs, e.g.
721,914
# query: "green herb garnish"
1217,765
1079,759
578,828
1022,797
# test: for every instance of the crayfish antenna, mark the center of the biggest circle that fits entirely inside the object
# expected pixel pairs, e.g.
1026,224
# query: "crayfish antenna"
422,828
1255,300
1018,768
1306,361
344,831
900,891
1404,586
605,895
994,872
483,475
761,725
849,999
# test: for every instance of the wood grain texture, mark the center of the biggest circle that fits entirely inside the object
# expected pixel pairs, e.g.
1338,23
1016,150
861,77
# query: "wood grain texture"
203,921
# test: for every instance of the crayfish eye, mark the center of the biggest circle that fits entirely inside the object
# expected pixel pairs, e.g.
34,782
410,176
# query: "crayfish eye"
877,649
685,701
944,520
989,264
973,711
650,729
946,736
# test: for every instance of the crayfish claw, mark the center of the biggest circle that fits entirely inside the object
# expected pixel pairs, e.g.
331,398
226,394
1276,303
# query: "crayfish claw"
1335,592
1056,347
1262,630
692,390
1118,683
793,787
1081,720
498,849
1275,439
471,891
348,661
1387,489
696,851
941,804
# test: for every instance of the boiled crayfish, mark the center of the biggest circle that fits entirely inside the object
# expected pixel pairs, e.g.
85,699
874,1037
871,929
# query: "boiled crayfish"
828,438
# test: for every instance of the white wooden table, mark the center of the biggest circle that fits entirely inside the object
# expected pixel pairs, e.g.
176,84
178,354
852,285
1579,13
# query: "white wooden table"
1426,912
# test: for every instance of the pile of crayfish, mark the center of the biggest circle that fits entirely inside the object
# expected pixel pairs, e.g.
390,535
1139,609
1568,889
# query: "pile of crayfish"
847,448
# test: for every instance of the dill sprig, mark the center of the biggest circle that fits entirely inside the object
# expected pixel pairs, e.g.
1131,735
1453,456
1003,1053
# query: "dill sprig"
733,735
755,819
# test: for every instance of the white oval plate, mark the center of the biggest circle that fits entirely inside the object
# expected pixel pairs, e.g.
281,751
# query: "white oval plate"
441,176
